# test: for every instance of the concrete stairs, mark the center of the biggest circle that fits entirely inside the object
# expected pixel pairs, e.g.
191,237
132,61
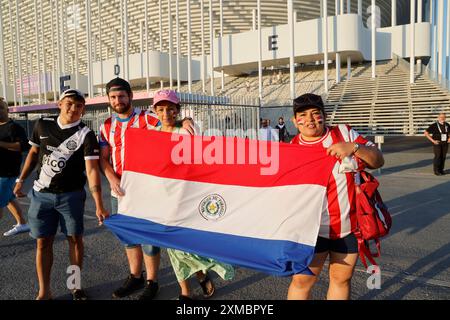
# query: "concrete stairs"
387,105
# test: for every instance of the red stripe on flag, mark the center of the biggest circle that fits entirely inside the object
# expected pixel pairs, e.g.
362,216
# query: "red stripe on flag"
152,152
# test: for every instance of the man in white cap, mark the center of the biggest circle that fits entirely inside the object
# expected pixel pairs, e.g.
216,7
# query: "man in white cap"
64,148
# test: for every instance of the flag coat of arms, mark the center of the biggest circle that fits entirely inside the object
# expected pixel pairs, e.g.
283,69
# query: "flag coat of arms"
250,203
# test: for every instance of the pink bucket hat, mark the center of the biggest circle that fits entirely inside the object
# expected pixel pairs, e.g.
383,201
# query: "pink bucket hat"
165,95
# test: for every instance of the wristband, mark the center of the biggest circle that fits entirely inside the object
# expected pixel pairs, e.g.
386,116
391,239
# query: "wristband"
356,148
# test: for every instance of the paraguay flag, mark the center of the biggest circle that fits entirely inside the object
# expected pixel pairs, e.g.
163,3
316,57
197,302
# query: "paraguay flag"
250,203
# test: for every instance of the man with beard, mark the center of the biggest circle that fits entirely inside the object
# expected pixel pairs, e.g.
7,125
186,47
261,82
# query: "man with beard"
112,140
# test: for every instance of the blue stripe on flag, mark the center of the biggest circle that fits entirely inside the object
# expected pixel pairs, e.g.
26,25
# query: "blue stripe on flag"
276,257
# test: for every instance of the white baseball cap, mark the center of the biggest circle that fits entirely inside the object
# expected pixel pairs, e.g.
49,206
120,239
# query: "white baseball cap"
72,93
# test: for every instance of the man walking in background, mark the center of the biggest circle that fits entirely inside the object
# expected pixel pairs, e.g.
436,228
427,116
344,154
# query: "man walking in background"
438,134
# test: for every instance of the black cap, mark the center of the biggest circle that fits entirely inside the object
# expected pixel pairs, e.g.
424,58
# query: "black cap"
308,100
118,84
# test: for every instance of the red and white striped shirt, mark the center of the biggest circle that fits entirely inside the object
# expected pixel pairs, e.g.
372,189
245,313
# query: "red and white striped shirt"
112,134
338,217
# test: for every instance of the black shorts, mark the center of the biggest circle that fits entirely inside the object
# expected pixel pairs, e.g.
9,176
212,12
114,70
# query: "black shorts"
348,244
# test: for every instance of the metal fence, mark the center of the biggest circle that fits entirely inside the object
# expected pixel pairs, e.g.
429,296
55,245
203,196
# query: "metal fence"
212,115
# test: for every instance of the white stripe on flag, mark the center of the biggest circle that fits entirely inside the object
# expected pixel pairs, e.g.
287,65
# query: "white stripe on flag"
289,213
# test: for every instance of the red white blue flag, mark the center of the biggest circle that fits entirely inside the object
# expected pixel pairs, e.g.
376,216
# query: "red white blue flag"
254,204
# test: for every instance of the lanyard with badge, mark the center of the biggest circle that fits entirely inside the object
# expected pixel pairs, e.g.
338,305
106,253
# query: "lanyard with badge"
443,135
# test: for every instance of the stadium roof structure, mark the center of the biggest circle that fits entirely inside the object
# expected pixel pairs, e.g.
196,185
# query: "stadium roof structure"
31,26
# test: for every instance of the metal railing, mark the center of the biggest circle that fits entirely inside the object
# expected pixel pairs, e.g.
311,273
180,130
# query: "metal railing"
436,78
212,115
385,112
400,62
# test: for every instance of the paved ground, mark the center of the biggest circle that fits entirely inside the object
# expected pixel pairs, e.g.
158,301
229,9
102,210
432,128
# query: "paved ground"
415,262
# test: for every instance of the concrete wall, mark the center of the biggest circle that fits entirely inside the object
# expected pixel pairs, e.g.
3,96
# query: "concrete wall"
346,34
82,83
239,54
158,68
9,92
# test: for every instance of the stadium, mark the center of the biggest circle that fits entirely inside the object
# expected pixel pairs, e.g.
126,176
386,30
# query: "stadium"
381,66
258,57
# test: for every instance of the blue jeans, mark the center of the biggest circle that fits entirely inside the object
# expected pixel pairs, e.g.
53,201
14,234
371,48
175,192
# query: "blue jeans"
147,249
47,210
6,190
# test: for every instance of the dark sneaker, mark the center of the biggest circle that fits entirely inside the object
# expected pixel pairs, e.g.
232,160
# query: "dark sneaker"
150,291
129,286
185,298
79,295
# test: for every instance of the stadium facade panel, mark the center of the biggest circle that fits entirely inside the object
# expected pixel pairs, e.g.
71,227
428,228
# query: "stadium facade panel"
48,45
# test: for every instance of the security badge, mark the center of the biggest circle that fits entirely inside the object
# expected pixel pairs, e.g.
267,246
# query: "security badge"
443,135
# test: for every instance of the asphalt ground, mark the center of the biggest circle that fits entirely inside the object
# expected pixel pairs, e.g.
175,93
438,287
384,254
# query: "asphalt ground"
415,262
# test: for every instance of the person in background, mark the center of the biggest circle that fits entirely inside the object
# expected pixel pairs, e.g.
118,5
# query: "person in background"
266,132
13,141
438,134
283,134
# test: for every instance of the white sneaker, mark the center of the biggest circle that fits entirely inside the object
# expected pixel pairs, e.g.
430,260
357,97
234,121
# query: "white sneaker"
19,228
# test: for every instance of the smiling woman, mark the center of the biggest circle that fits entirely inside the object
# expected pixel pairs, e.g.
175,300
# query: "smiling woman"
336,234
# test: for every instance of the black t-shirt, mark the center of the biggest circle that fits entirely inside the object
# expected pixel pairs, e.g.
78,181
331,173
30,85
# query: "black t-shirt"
10,161
63,150
435,133
283,133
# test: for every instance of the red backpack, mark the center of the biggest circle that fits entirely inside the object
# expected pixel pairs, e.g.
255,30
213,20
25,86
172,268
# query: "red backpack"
373,218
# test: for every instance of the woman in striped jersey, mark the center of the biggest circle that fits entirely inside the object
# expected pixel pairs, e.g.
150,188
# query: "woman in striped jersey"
338,222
